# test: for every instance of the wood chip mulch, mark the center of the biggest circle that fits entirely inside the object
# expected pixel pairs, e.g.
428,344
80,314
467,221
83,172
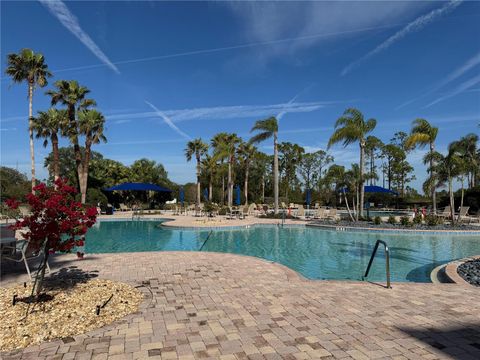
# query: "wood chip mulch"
68,308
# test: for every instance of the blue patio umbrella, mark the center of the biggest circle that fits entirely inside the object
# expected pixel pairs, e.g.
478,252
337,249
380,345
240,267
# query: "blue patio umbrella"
237,195
138,187
205,194
372,189
181,196
309,197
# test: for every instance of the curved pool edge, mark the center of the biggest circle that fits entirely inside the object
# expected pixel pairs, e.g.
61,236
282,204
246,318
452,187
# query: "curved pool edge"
392,231
451,270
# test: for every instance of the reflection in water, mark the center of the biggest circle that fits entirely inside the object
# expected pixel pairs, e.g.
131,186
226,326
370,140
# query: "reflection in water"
316,253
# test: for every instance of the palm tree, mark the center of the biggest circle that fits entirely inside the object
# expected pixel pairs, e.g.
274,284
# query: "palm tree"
48,125
246,151
349,128
210,168
446,169
198,149
467,147
91,124
422,134
269,128
226,150
217,142
73,96
30,67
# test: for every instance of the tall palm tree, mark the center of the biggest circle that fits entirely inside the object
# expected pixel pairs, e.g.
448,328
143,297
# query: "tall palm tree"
48,125
91,124
349,128
372,144
198,149
30,67
210,168
217,142
73,95
421,135
226,150
269,128
246,151
467,148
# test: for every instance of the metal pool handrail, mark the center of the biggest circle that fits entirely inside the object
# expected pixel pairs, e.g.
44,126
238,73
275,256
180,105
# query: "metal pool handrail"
208,237
387,261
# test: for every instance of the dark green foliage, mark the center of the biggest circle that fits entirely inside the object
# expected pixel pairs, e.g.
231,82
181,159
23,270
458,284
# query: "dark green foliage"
13,184
392,220
95,196
433,220
417,220
377,220
405,221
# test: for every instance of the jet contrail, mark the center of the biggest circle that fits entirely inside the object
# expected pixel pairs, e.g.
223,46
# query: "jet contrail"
283,112
70,22
416,25
168,121
226,48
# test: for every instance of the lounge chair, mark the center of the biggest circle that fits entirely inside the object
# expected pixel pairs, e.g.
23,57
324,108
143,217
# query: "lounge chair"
332,214
320,214
300,213
23,252
446,213
252,208
463,212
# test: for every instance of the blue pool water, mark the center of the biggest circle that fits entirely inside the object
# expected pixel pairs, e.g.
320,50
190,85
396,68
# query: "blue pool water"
315,253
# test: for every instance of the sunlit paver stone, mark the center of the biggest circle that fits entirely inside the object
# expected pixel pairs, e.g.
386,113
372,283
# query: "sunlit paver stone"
222,306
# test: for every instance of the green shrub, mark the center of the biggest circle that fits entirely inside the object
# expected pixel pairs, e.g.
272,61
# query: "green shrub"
377,220
405,220
417,219
392,220
432,220
95,196
223,210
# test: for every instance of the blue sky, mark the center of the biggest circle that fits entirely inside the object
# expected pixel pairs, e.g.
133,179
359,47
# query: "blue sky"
162,72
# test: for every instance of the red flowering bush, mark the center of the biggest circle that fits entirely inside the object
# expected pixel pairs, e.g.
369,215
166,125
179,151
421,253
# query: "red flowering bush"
57,222
56,218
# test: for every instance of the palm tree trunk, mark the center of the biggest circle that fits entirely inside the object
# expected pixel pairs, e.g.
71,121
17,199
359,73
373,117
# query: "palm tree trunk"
461,201
210,188
198,181
452,200
275,172
56,157
229,183
434,196
263,188
362,190
30,131
348,207
84,171
246,182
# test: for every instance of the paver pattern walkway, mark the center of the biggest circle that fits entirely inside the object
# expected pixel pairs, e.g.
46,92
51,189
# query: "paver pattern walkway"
223,306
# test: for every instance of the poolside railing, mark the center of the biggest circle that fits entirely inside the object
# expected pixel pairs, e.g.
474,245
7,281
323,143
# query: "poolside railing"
387,261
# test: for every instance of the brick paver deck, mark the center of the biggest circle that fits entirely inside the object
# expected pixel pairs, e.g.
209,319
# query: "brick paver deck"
222,306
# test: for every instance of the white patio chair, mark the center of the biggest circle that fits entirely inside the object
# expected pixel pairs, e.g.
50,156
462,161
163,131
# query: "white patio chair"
23,252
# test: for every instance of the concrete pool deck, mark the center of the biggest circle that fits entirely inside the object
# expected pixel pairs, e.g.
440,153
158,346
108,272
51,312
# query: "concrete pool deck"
225,306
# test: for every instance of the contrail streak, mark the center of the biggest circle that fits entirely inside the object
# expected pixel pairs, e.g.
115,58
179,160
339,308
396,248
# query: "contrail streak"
226,48
168,121
416,25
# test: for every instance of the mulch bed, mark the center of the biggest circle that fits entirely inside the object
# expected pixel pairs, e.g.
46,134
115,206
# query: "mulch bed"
470,271
67,308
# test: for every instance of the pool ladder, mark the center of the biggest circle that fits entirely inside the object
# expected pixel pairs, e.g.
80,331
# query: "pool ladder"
387,261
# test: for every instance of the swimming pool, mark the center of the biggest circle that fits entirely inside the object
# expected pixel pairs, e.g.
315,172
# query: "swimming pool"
315,253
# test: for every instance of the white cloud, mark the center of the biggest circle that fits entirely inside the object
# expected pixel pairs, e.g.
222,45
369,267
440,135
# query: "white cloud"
63,14
268,21
167,121
416,25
